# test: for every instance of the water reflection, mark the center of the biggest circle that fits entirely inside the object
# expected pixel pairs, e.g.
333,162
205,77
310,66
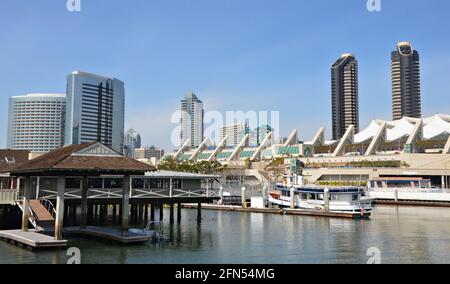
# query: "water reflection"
403,234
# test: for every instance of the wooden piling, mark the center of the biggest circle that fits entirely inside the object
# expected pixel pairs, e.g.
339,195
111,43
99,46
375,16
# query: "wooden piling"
66,213
104,213
146,212
141,212
199,212
179,212
84,203
172,217
161,212
74,215
114,213
326,198
61,187
90,217
26,204
152,212
125,205
292,196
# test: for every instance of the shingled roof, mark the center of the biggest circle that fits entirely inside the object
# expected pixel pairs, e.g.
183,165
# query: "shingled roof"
10,159
89,158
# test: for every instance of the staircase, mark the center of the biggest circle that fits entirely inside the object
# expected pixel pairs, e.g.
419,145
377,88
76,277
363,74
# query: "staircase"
41,214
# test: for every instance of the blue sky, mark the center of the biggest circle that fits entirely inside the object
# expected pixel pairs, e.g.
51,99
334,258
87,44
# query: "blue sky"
262,55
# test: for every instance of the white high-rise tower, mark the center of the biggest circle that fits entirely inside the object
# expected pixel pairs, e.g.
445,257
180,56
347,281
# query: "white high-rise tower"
37,122
192,120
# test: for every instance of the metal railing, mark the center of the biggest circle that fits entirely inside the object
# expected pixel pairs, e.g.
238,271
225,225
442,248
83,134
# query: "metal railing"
135,192
48,206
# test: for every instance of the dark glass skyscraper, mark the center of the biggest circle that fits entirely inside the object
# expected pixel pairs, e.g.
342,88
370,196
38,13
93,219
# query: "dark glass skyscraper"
406,99
345,105
95,110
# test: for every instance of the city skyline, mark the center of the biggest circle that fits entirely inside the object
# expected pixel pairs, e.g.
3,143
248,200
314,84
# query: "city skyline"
274,75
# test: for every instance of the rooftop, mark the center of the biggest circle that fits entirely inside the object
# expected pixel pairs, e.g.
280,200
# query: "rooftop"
101,77
90,158
9,159
40,95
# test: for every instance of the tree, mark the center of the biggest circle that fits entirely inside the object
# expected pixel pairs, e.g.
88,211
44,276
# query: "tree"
203,167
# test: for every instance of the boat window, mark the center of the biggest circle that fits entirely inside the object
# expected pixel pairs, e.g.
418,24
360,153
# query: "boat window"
312,196
355,197
320,197
334,197
304,196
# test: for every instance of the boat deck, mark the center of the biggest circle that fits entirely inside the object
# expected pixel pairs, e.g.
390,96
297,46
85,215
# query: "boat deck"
109,234
32,239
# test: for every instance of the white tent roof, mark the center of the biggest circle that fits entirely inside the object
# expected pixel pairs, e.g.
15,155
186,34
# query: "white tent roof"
436,126
327,142
368,133
433,127
399,129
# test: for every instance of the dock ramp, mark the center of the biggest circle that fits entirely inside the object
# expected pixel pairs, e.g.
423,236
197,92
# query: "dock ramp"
42,216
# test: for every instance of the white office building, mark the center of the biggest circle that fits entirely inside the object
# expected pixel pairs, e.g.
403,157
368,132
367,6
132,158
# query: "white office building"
192,120
95,110
148,153
36,122
234,133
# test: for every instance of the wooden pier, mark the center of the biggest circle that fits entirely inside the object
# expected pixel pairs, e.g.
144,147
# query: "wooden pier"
32,239
297,212
92,179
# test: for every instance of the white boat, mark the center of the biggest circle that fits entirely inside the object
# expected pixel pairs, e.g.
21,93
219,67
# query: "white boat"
292,193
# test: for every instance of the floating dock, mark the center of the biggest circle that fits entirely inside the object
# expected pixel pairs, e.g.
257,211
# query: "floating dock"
32,239
433,198
411,203
108,234
298,212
